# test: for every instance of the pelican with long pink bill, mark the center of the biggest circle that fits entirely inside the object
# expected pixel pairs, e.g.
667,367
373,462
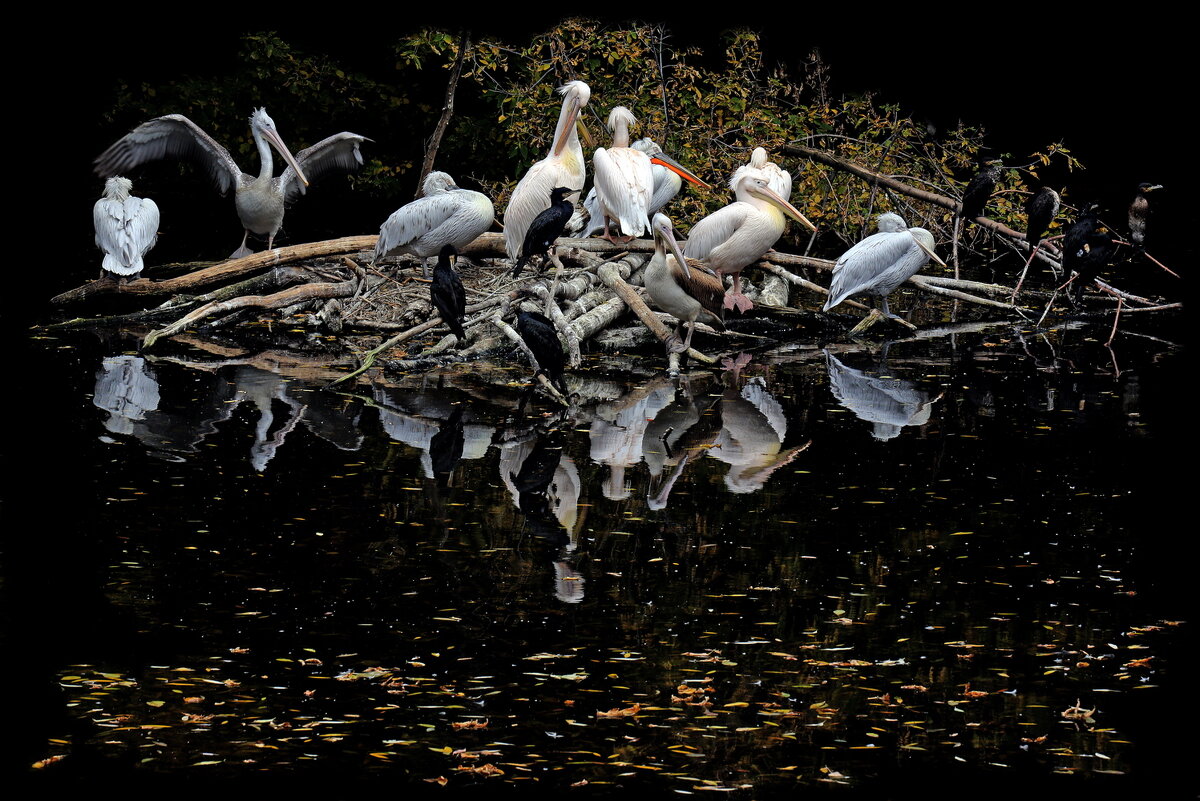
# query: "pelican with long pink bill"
260,199
564,166
732,238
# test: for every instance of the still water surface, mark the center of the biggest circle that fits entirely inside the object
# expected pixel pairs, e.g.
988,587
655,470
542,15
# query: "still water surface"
829,572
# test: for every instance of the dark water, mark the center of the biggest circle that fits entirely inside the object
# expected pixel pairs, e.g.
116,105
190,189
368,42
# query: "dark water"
953,570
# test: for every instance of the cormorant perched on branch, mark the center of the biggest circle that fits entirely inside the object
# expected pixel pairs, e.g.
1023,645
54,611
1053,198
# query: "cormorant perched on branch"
1139,215
1040,211
979,190
1087,247
546,227
539,334
447,293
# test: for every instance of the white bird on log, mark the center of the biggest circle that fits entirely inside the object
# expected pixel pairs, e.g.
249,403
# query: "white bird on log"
730,239
669,176
879,264
260,200
564,166
689,293
446,215
126,227
779,179
624,179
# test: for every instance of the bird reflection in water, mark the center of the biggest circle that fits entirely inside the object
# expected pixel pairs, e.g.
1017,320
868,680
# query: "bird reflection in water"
753,429
888,403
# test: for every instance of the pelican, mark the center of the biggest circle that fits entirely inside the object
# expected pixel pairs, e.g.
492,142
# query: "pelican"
731,238
260,201
564,166
689,295
126,227
446,215
880,263
669,176
624,179
779,179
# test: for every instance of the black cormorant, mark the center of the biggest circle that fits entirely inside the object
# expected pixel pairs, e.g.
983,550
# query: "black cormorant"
979,190
539,334
546,227
1139,215
447,293
1040,211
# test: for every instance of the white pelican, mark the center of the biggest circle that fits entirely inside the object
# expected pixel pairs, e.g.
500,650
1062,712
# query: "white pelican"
446,215
731,238
624,179
668,180
564,166
260,200
880,263
688,294
126,227
779,179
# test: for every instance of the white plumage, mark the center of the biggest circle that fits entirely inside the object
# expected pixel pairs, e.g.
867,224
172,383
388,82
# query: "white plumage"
739,234
126,227
564,166
779,179
446,215
624,178
880,263
260,200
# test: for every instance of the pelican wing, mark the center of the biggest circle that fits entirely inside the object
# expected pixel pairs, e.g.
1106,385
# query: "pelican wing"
337,153
173,136
715,229
125,231
872,266
704,285
666,186
624,184
425,225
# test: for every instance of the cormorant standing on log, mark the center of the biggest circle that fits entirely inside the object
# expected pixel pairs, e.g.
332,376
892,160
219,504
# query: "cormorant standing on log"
447,293
539,334
1139,215
979,190
546,227
1040,211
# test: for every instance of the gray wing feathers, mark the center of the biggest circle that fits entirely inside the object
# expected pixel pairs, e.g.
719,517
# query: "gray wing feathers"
125,231
337,153
172,136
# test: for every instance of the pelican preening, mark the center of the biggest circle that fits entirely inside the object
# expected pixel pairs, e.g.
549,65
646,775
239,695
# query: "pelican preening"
260,200
779,179
546,228
447,293
126,227
564,166
624,179
446,215
669,176
879,264
690,295
730,239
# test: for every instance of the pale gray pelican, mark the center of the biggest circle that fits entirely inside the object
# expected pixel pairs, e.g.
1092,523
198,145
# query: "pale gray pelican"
624,179
126,227
879,264
260,200
688,294
668,180
779,179
730,239
446,215
564,166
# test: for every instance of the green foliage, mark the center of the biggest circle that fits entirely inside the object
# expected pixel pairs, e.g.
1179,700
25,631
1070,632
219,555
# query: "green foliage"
710,116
